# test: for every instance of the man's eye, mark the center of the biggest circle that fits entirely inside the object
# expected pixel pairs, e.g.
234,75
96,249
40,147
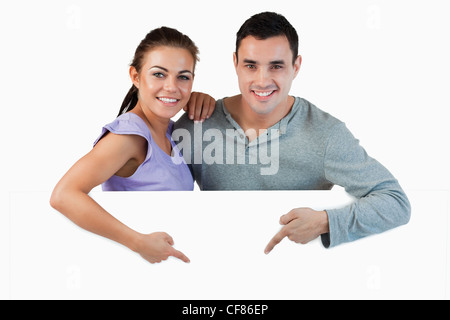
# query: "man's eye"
250,66
276,67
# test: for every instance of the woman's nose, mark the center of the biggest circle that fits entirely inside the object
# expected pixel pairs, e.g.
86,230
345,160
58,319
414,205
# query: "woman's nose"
170,84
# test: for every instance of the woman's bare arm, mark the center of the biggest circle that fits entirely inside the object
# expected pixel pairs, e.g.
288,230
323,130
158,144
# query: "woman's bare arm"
70,197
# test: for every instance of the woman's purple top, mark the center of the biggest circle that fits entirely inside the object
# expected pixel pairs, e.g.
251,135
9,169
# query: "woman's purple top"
159,171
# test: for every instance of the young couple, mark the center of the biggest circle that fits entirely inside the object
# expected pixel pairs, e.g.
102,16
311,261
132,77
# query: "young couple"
316,151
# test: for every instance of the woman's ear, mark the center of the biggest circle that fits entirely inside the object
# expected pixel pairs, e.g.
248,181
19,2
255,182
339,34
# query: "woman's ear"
134,76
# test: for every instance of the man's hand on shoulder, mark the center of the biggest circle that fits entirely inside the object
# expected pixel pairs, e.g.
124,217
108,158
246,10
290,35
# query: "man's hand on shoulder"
200,106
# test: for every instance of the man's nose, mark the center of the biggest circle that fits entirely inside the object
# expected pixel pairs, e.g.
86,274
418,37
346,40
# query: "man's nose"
263,78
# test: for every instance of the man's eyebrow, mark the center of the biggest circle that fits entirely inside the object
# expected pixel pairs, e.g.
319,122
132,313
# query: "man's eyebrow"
250,61
280,62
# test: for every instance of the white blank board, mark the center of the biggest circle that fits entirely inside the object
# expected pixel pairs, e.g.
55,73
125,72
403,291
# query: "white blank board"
224,235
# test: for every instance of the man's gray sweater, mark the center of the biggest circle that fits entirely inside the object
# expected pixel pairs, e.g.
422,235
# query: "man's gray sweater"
307,150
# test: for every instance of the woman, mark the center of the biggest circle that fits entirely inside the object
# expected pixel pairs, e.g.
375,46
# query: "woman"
134,152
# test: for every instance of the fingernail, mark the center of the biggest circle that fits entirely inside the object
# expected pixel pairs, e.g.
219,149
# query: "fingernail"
191,117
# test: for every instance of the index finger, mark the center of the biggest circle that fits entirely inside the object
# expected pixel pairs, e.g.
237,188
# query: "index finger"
191,105
275,240
198,106
205,108
208,107
212,106
180,255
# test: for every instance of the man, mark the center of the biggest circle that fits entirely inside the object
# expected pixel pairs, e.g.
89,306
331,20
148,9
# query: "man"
265,139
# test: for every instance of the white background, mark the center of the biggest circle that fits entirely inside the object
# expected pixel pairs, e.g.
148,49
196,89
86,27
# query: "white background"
380,66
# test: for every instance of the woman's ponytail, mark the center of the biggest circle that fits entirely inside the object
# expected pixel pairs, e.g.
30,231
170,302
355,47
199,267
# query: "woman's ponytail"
130,100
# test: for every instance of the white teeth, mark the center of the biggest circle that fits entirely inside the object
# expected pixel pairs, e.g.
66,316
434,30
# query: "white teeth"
263,94
167,100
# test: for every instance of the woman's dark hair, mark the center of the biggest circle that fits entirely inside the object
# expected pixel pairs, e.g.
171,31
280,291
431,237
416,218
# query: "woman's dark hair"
161,37
266,25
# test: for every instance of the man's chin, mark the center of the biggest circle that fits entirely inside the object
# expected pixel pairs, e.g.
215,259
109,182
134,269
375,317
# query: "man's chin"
263,110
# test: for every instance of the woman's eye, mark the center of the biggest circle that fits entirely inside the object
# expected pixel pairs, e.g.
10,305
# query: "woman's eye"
184,78
158,75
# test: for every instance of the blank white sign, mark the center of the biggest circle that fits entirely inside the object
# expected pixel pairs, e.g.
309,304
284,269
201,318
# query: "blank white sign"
224,235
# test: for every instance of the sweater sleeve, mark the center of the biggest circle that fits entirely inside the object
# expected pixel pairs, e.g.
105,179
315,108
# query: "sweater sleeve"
380,203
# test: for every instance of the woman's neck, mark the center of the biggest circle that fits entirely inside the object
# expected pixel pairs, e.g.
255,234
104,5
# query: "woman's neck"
158,126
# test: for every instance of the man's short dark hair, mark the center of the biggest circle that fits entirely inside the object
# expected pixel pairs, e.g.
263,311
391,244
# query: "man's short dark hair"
266,25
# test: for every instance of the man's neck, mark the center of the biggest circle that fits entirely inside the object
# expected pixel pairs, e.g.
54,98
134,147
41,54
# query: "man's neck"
248,119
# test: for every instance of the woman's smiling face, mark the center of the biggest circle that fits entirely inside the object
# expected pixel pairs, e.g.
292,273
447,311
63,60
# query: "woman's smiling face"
165,81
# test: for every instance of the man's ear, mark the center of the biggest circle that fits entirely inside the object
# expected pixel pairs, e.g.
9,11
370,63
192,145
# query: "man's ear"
134,76
297,65
235,60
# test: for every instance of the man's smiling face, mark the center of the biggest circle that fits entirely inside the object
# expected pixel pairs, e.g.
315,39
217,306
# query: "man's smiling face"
265,72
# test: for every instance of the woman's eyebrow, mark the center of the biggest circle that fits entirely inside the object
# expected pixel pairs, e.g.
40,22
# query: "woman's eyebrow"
158,67
166,70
